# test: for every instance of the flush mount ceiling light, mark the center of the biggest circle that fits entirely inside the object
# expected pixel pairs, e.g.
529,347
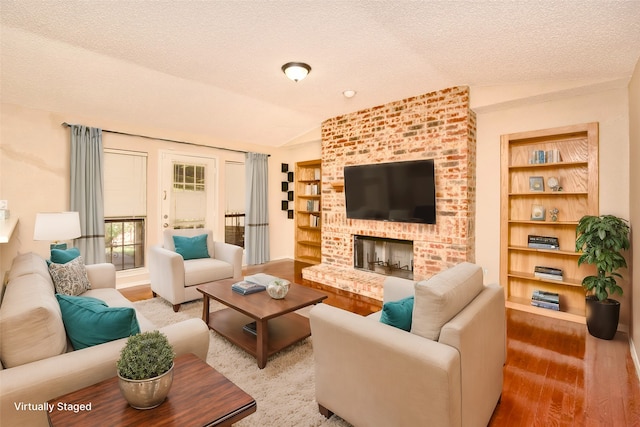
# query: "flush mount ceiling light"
296,71
349,93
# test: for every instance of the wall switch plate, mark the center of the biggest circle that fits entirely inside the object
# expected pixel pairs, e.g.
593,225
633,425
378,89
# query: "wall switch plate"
4,204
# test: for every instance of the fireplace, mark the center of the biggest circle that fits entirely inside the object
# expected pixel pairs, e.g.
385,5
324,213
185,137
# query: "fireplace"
391,257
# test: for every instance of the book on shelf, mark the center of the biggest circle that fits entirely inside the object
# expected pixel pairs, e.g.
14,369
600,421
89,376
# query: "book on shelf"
314,220
548,272
251,328
311,190
542,156
316,174
547,305
245,288
546,296
545,299
543,242
313,205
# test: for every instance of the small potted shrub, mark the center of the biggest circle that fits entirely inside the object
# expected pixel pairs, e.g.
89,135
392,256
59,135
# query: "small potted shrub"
145,369
601,240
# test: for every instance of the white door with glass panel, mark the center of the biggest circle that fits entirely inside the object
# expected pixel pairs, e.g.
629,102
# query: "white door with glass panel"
188,191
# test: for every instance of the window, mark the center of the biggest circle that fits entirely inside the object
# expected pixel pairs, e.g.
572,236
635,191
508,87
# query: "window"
124,241
189,195
125,208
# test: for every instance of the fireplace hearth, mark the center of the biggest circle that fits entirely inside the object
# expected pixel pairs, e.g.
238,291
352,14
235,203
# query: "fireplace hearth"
390,257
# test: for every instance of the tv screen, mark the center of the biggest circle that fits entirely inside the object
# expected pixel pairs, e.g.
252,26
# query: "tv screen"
397,191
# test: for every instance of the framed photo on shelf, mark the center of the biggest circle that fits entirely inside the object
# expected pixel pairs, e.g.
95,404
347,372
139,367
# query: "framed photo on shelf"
536,183
537,213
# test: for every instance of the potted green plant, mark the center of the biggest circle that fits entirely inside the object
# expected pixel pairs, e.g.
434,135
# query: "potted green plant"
145,369
601,240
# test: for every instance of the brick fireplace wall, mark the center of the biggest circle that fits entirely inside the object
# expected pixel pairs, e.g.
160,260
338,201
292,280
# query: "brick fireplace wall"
437,125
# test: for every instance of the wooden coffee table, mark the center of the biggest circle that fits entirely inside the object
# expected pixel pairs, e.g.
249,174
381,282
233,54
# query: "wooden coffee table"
277,326
199,396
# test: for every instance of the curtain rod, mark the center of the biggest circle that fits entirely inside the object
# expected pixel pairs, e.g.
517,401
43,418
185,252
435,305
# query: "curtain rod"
169,140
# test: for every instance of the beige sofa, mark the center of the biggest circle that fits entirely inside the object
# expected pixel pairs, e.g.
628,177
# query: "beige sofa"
175,279
38,364
446,371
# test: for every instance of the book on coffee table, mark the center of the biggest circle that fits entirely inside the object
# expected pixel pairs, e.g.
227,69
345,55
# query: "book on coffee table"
246,288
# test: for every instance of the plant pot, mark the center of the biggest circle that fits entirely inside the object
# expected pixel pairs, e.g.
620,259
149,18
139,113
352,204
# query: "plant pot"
602,317
146,394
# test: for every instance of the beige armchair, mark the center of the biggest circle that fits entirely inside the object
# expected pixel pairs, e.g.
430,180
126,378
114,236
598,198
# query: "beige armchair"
175,279
373,374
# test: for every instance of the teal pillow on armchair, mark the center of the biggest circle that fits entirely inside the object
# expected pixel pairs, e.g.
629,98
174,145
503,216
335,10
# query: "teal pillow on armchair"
191,247
398,313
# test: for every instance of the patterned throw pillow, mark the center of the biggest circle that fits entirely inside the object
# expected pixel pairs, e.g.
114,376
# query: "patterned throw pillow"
70,278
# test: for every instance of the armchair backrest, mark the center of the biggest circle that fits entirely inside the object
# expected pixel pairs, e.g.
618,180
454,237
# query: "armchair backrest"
187,232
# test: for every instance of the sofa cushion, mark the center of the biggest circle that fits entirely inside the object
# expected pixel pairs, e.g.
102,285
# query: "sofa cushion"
30,263
70,278
398,313
191,247
440,298
30,321
198,271
90,321
63,256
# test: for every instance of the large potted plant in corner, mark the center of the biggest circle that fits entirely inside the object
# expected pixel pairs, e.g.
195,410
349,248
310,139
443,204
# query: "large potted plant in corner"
601,240
145,369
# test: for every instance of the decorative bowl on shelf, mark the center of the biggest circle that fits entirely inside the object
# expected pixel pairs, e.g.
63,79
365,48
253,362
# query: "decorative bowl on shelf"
278,288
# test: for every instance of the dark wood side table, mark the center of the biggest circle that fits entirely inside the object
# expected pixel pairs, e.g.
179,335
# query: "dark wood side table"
199,396
277,326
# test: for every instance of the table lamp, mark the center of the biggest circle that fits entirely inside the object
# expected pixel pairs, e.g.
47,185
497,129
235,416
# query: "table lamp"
56,227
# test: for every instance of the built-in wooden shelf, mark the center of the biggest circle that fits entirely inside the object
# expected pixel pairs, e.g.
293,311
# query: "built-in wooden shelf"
338,186
308,190
577,173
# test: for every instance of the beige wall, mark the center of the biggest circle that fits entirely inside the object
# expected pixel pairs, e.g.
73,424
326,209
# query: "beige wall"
606,104
634,201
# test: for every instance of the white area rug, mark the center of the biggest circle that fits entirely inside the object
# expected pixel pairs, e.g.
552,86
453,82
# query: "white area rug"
284,390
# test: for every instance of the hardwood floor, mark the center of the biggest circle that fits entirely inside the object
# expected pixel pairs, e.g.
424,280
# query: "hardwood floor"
556,373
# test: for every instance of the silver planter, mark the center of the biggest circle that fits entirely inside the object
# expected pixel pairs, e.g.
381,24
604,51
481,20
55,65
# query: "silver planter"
146,394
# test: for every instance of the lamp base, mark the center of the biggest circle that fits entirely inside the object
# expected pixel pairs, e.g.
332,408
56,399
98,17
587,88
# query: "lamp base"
62,246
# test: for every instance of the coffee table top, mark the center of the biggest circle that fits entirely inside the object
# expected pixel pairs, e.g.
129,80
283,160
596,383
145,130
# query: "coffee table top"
199,395
260,305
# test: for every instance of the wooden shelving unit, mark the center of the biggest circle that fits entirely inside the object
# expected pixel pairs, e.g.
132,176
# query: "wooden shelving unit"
577,173
308,187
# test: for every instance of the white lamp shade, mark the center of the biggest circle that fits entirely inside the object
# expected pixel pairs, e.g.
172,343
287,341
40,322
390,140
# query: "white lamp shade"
296,71
57,226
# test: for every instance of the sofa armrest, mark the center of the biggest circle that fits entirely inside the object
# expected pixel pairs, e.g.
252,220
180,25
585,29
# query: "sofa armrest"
370,373
479,334
46,379
102,275
166,273
229,253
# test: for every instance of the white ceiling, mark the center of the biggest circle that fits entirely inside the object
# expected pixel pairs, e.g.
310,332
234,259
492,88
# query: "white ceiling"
212,68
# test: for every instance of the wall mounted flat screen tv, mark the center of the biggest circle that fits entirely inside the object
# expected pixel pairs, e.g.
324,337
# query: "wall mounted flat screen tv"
396,191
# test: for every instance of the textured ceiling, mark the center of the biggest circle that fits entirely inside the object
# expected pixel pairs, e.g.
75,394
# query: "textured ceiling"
213,67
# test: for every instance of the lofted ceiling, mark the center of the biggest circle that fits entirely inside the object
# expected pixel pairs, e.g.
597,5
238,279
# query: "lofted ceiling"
212,68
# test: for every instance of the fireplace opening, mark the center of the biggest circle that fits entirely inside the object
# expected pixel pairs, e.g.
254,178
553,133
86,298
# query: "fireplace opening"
391,257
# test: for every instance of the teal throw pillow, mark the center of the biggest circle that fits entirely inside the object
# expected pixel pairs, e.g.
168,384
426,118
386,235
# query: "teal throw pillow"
191,247
398,313
63,256
89,321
